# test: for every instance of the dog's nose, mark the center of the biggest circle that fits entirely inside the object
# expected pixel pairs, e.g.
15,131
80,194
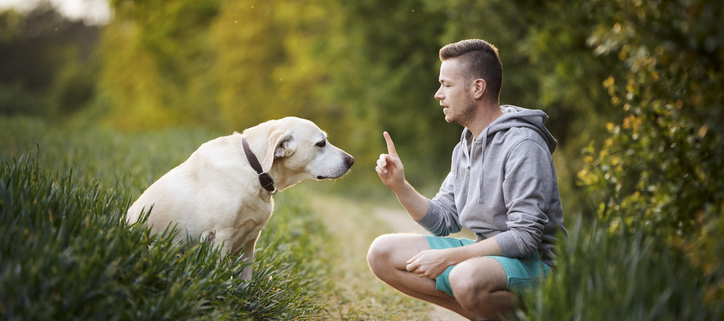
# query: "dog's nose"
350,160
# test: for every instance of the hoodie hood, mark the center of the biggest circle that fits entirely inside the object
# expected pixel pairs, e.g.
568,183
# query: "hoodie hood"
520,117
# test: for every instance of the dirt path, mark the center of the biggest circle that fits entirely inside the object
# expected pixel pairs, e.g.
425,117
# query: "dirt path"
358,224
401,222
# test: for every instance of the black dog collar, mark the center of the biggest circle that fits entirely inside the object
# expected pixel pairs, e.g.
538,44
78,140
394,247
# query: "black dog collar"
266,181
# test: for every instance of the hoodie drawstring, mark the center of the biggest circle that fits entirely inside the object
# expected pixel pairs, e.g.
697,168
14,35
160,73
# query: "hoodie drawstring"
484,136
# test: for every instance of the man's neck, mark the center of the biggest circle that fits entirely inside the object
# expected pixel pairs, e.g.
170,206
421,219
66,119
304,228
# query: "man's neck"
489,112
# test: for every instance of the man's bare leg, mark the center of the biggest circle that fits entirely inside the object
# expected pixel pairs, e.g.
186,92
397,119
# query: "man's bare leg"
388,257
479,286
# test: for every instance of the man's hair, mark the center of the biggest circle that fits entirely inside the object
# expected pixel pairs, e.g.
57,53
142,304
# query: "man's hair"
479,60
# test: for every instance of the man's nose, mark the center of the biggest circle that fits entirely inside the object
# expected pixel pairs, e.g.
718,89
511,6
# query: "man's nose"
439,95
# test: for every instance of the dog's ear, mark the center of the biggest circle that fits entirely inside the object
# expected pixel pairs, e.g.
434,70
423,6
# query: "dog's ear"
280,144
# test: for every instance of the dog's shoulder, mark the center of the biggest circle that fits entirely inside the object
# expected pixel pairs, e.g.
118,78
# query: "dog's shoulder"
220,152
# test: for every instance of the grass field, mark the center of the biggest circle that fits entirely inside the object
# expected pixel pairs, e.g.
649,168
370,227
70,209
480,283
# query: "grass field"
66,254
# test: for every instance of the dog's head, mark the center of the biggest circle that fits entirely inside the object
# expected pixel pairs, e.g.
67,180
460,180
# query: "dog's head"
298,149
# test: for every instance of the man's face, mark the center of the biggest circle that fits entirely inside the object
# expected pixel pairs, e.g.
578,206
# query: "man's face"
455,96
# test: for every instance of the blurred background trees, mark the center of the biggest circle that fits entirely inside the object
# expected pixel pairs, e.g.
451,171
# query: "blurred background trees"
354,68
633,89
46,65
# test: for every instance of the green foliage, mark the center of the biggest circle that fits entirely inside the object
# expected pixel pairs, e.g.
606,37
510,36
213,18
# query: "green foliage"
659,170
66,255
73,89
398,46
15,99
46,63
656,251
660,162
621,276
155,56
95,154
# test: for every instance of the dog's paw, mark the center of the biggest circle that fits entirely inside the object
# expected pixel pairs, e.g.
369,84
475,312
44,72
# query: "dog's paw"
208,237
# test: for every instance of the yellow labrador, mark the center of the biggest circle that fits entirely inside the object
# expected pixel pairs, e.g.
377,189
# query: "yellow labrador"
223,192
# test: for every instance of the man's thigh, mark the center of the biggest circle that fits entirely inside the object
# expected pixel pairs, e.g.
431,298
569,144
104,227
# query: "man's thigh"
398,248
483,273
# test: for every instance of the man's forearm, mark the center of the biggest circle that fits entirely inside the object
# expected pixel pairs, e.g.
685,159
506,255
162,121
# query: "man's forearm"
486,247
414,203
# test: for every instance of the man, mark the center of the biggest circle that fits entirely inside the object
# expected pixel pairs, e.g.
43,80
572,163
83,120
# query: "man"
502,186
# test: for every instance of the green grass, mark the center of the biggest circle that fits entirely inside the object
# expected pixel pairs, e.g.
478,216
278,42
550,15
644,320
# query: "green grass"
65,252
604,275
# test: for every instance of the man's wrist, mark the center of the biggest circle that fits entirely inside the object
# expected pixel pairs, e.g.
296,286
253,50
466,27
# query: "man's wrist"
414,203
457,255
402,189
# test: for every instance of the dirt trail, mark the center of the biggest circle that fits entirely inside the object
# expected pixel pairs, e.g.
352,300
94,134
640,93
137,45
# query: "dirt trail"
358,225
401,222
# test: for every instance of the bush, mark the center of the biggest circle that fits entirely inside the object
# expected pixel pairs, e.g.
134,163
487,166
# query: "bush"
655,251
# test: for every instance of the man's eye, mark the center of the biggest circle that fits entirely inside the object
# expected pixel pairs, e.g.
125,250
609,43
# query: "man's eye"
322,143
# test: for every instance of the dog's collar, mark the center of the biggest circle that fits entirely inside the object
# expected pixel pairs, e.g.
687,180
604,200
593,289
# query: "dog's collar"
266,181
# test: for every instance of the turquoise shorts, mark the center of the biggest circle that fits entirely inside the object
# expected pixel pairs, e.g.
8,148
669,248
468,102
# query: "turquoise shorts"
522,272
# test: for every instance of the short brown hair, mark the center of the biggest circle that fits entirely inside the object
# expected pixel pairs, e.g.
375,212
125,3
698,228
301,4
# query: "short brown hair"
480,60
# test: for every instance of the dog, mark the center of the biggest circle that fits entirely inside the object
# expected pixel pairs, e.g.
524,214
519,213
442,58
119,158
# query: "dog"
223,192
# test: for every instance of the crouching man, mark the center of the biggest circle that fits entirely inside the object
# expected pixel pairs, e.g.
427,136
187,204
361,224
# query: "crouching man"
502,186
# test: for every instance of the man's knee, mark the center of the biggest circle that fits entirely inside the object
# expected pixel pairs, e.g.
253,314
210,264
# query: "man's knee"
474,280
391,251
466,290
380,252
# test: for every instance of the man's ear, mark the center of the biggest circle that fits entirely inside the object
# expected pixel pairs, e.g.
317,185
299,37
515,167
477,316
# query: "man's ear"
279,144
479,86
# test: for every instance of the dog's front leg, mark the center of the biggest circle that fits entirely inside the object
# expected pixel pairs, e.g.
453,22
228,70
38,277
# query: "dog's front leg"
248,257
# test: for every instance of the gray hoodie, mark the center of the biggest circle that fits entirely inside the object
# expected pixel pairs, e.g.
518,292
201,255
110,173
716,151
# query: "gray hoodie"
504,185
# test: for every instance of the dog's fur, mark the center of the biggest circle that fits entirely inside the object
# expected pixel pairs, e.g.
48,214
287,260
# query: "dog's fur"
215,195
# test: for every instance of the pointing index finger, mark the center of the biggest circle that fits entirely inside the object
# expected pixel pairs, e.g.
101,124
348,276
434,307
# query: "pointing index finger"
390,145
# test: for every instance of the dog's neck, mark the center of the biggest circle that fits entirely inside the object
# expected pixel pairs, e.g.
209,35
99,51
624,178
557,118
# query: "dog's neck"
285,179
282,179
265,179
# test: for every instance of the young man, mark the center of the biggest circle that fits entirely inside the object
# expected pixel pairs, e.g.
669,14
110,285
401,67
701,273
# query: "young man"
502,186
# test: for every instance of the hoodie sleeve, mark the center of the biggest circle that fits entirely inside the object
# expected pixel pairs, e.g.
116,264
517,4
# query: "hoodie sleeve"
528,186
441,218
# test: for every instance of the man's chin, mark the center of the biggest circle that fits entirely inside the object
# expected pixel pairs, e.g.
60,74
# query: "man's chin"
451,120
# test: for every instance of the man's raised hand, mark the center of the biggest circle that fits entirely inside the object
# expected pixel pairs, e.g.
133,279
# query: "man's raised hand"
389,167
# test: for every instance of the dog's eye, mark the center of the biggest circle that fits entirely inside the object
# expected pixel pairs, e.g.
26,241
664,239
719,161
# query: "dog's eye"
321,143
